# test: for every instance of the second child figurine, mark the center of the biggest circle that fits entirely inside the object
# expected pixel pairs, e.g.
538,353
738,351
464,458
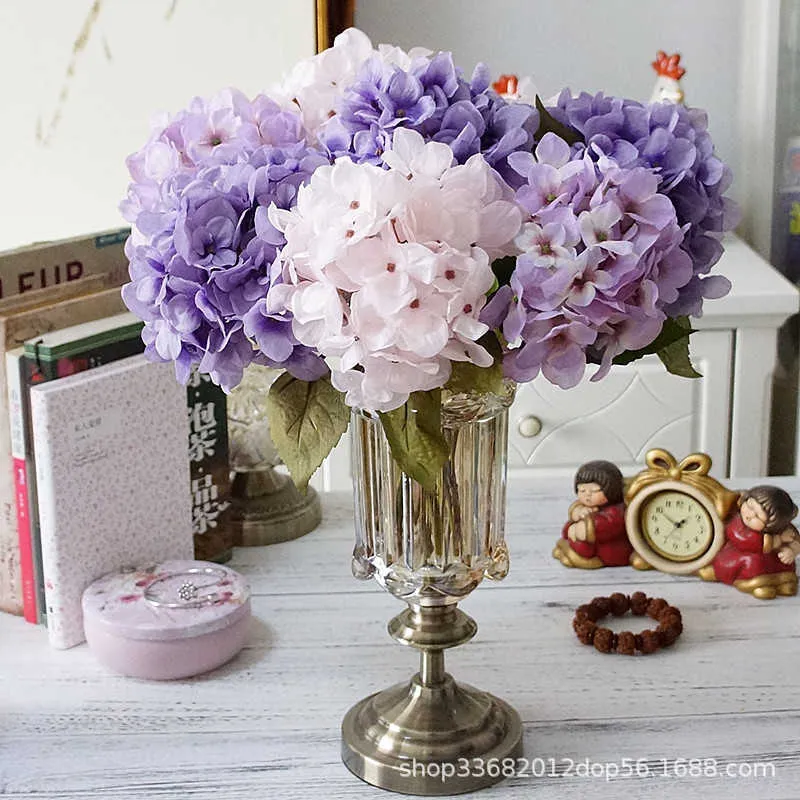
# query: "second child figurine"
594,535
761,546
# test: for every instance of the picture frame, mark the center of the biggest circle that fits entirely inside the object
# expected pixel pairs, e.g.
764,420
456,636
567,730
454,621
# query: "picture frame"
333,16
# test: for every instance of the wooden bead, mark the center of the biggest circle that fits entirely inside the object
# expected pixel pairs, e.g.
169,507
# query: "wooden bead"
668,634
626,643
602,604
586,631
650,642
619,604
655,607
639,603
604,640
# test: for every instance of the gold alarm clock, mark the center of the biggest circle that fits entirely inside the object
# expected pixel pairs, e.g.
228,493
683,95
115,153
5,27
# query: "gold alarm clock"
676,512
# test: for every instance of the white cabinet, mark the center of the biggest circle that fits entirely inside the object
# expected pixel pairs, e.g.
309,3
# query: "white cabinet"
630,411
725,413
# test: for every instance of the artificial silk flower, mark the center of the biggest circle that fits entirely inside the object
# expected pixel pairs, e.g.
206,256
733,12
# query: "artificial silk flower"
314,85
386,270
202,247
601,249
671,140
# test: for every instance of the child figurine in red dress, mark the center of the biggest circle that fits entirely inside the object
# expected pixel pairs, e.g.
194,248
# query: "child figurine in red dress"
759,554
594,536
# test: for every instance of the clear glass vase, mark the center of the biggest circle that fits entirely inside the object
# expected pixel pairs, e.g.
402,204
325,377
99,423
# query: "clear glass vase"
430,548
251,446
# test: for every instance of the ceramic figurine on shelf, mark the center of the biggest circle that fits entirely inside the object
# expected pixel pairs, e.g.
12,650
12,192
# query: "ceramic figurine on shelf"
761,546
668,87
594,535
516,90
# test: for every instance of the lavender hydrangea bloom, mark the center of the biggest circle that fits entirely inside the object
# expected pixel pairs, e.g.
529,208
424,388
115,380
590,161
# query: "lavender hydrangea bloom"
206,232
202,248
432,98
674,141
601,265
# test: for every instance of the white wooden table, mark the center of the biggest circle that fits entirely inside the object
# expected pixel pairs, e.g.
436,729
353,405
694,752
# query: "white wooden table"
267,724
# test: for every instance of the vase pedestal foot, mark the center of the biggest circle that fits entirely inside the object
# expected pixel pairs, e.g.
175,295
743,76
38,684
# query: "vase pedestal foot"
444,739
431,735
267,508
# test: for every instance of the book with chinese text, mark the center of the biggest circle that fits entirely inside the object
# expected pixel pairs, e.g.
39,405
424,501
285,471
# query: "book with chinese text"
49,357
112,473
209,468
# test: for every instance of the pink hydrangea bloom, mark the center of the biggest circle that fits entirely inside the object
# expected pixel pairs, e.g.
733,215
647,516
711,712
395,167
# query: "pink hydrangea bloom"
386,271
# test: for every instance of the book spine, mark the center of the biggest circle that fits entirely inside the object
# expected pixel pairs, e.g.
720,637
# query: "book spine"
14,369
209,469
10,577
40,411
41,267
43,367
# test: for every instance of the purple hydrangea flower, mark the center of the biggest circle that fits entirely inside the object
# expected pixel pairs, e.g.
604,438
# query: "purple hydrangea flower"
430,97
386,96
672,140
202,248
601,267
555,345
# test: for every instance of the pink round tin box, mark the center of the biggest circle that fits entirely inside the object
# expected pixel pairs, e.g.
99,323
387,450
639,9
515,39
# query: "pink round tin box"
171,620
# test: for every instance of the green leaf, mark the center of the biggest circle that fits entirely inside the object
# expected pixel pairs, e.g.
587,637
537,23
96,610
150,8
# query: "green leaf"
675,357
414,432
549,124
306,420
468,377
672,332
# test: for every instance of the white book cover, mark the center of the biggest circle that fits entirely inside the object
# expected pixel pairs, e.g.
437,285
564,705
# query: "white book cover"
113,477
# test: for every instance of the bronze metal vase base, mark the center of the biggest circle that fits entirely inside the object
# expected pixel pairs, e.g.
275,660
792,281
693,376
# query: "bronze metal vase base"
266,508
431,736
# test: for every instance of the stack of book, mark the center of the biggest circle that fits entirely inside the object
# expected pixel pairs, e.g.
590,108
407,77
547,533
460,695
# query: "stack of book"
94,470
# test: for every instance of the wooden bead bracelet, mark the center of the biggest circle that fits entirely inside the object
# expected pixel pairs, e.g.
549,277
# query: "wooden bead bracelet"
626,643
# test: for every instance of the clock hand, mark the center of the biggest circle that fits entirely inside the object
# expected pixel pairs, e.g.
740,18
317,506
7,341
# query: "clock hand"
668,517
675,525
670,534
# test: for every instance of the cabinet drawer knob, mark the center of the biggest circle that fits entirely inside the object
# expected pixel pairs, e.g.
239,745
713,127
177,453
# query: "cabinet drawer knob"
530,426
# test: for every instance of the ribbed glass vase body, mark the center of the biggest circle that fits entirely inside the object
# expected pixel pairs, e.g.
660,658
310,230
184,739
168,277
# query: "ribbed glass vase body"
432,547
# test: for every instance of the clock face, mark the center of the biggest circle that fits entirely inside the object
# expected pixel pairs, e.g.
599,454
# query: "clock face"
676,525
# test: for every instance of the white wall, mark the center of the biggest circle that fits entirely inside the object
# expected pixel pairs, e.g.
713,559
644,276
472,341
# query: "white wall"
140,57
584,44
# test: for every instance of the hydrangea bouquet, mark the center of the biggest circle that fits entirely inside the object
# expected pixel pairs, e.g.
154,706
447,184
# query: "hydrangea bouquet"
384,228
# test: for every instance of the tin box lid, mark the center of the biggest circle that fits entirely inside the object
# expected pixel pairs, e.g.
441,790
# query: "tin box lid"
170,600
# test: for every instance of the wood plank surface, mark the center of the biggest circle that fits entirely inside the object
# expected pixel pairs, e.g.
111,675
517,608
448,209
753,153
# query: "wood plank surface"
267,724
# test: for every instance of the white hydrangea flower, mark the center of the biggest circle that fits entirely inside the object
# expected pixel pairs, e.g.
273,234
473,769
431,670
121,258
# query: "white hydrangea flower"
386,271
315,84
